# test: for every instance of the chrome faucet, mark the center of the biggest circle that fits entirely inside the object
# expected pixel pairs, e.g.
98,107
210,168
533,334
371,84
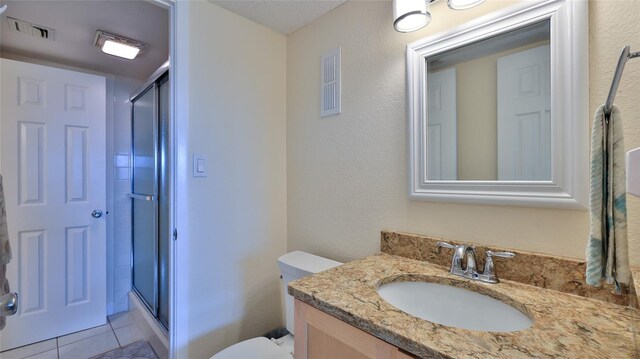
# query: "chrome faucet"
470,271
471,268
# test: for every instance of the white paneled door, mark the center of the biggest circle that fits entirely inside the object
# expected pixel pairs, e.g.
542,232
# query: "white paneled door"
442,133
53,162
524,115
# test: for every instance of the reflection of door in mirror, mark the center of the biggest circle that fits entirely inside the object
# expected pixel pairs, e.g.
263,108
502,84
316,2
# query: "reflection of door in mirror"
524,115
442,163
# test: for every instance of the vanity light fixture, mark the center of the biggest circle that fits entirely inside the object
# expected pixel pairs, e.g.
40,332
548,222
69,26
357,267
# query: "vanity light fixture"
117,45
412,15
463,4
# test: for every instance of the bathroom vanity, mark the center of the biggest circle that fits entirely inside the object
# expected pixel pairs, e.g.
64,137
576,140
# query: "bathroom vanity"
339,313
323,336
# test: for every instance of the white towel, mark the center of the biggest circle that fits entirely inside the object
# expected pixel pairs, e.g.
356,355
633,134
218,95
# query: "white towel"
607,249
5,250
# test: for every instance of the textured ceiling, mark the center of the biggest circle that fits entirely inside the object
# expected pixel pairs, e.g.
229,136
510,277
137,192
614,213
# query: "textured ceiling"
75,24
283,16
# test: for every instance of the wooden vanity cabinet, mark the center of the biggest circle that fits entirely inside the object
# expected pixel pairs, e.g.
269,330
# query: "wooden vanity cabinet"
321,336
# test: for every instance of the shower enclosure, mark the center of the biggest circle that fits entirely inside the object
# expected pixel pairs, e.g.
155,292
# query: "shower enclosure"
149,193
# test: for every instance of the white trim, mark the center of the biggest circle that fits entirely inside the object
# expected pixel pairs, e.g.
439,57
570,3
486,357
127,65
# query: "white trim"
568,187
179,334
178,137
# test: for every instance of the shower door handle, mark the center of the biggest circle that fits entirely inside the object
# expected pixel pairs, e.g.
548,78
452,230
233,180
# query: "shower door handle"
142,197
8,304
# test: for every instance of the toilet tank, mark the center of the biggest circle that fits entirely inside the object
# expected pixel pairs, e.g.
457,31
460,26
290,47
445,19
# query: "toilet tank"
295,265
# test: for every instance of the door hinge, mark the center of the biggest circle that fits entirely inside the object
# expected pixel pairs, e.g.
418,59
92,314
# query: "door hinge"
175,234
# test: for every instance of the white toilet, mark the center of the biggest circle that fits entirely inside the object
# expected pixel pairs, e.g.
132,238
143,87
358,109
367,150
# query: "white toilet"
294,265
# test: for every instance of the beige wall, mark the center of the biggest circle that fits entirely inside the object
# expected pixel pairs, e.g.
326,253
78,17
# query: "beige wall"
347,174
477,107
234,220
613,25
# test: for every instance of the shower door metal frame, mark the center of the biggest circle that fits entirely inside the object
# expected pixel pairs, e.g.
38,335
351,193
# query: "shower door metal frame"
162,203
154,198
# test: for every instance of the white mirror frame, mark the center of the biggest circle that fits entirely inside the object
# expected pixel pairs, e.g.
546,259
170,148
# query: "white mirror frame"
568,187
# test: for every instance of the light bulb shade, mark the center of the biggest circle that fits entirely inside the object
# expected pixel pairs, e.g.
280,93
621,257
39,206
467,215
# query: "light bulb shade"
410,15
463,4
120,49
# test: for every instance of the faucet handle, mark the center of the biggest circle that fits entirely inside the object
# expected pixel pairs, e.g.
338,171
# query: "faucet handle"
446,245
488,273
458,254
490,254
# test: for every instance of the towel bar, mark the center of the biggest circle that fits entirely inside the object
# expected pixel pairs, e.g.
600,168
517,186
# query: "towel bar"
625,55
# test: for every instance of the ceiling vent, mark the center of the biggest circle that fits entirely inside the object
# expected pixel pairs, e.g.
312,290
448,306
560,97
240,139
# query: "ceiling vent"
27,28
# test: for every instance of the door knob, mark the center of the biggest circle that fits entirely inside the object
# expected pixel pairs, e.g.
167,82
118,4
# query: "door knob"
8,304
96,213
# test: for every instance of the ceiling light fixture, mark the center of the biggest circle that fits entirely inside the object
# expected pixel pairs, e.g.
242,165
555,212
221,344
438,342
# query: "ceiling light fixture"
412,15
117,45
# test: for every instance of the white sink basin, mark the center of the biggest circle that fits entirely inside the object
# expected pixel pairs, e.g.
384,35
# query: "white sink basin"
454,307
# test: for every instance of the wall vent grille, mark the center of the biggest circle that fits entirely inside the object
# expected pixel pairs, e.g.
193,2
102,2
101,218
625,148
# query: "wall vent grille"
330,83
27,28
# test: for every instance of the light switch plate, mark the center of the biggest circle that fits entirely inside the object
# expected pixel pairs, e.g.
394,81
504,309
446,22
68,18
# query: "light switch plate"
633,172
199,166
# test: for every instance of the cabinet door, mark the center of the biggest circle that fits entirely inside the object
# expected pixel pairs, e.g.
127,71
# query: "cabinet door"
321,336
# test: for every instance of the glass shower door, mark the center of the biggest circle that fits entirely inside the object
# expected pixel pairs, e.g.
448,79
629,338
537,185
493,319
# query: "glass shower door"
145,197
164,235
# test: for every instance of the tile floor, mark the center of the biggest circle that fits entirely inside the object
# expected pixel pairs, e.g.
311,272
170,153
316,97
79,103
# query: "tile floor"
137,350
119,332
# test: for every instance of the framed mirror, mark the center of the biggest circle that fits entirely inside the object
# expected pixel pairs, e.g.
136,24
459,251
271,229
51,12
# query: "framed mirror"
498,109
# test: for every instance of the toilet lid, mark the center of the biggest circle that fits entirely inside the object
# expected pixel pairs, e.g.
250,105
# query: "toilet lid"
254,348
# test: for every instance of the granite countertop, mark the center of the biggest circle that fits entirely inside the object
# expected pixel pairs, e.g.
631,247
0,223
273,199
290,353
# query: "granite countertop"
565,325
